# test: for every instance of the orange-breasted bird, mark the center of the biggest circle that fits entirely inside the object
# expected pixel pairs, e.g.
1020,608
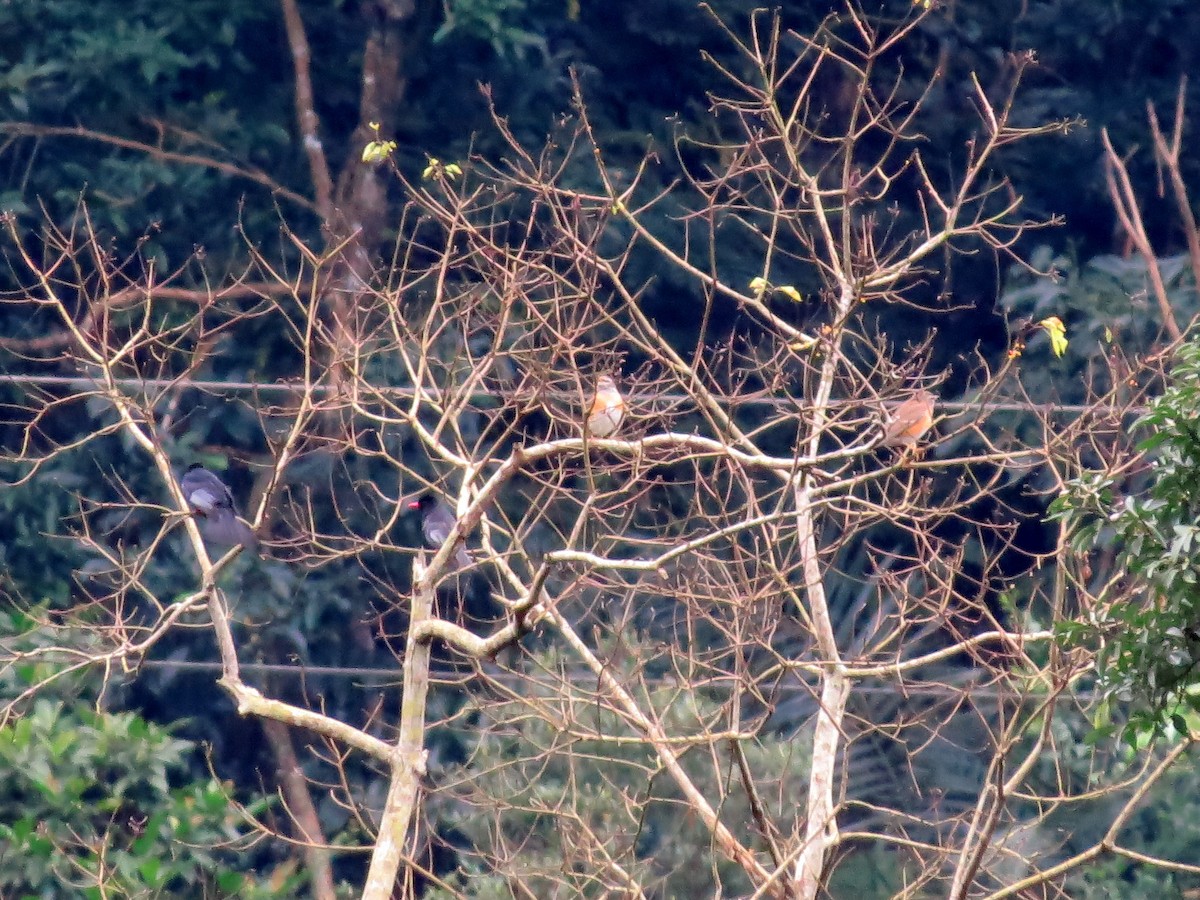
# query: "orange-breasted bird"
608,409
906,423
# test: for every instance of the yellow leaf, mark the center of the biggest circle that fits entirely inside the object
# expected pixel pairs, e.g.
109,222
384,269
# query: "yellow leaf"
805,343
1058,334
377,151
758,285
791,293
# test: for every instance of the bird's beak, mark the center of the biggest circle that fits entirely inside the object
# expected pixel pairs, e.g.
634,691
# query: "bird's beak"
414,504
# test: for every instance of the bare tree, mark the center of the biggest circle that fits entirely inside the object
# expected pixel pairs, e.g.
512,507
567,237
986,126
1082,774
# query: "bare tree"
767,623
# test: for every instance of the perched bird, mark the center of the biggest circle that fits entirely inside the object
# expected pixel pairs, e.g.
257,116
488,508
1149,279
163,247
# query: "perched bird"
608,409
210,499
436,523
906,423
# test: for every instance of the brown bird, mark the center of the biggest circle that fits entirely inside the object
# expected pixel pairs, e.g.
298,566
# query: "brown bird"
906,423
608,409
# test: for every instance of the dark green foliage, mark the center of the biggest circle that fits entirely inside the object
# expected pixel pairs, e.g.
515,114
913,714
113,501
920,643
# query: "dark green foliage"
220,71
1149,665
31,562
99,804
139,71
1163,824
1097,62
1102,300
221,74
89,797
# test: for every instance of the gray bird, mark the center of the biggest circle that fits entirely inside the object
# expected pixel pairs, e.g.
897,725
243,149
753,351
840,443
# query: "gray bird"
210,500
436,523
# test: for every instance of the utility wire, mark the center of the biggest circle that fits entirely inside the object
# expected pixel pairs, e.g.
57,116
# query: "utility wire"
582,677
85,383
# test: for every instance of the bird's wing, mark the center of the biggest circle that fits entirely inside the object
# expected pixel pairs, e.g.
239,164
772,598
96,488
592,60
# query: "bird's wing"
907,414
437,526
206,492
907,420
201,499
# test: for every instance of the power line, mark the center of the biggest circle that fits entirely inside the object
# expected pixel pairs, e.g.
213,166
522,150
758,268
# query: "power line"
408,393
581,677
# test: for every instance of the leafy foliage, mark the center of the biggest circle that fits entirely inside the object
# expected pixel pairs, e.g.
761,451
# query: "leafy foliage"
152,72
217,75
1103,301
1165,827
1150,650
102,804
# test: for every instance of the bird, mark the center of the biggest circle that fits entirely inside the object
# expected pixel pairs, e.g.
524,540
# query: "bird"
906,423
211,500
608,409
436,524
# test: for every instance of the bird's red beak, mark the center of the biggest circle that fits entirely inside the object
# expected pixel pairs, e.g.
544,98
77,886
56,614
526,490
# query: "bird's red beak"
414,504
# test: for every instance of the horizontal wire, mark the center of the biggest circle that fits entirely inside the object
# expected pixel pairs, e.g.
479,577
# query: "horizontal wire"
301,671
297,671
408,393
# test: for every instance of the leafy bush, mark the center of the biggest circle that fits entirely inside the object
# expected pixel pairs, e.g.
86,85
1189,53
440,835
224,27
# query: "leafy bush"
102,804
1149,655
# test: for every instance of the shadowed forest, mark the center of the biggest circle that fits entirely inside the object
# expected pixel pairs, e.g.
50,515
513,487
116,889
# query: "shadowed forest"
496,448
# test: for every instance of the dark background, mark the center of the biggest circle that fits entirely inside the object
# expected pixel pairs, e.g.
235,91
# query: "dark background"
220,72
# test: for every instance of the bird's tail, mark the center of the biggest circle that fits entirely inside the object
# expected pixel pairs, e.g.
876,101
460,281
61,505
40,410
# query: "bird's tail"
247,538
226,528
462,559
